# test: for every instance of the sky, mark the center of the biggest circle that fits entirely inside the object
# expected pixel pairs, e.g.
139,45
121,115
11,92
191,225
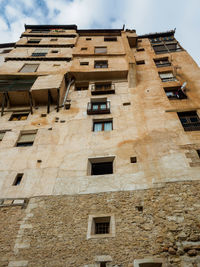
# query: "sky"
145,16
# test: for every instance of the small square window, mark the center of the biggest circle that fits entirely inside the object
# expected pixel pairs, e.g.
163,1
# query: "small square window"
18,179
100,50
81,86
83,48
133,159
34,41
19,116
88,39
54,51
26,138
101,226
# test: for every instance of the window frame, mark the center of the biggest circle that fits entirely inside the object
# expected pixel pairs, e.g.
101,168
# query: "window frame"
91,225
102,122
26,64
100,49
110,39
167,79
20,143
176,93
20,115
101,64
189,125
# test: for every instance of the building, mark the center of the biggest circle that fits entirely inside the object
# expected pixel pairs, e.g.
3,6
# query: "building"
100,150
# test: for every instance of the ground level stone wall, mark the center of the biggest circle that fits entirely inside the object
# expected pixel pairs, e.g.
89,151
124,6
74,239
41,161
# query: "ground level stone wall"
155,223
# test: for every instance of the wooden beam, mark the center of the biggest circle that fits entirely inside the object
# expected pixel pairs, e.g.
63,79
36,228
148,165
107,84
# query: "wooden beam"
3,103
49,101
58,99
31,102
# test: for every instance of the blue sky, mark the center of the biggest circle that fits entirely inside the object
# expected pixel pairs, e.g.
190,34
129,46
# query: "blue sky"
143,15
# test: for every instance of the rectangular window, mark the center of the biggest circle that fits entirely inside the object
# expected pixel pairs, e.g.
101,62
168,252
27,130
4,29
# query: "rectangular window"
167,77
34,41
189,120
140,62
110,39
162,62
165,46
54,40
174,93
103,88
101,64
140,49
100,166
40,52
88,39
26,138
84,63
54,51
29,68
103,125
102,225
19,116
100,50
81,86
83,48
98,106
18,179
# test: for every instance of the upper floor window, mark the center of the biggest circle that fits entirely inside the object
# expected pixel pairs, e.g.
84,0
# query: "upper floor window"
40,31
34,41
162,62
98,106
81,86
110,39
100,50
174,93
40,52
161,39
103,88
189,120
99,64
167,77
165,45
53,39
26,138
29,68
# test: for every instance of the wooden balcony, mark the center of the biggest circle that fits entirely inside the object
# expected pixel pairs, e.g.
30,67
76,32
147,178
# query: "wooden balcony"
104,88
98,108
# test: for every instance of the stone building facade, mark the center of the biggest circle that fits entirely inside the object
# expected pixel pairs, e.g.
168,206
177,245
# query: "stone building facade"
100,150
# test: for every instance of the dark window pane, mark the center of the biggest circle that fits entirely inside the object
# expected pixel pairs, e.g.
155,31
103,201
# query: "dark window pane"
102,168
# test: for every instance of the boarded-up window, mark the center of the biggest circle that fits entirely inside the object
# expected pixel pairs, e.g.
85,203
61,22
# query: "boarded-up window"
100,50
26,138
29,68
39,52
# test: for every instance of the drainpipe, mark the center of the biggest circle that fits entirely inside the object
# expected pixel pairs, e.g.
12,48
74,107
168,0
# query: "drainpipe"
67,92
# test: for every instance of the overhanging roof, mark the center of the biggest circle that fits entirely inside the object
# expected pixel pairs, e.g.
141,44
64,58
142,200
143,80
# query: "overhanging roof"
157,34
67,27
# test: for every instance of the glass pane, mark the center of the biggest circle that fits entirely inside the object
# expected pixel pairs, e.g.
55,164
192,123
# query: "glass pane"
97,126
183,120
108,126
95,107
103,106
194,119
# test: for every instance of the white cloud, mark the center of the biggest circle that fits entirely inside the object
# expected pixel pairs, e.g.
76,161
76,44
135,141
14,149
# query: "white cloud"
143,15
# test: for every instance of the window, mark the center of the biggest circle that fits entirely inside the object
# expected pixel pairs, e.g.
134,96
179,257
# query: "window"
84,63
100,50
198,152
103,88
54,51
103,125
167,77
53,39
140,62
162,62
83,48
110,39
133,159
40,52
98,106
101,64
88,39
140,49
100,166
29,68
19,116
174,93
18,179
26,138
34,41
102,225
81,86
165,45
189,120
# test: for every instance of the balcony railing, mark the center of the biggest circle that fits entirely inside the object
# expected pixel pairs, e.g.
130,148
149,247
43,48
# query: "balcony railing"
100,89
98,108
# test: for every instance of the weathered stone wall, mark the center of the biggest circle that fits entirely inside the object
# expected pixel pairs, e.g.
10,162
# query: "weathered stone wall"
53,231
